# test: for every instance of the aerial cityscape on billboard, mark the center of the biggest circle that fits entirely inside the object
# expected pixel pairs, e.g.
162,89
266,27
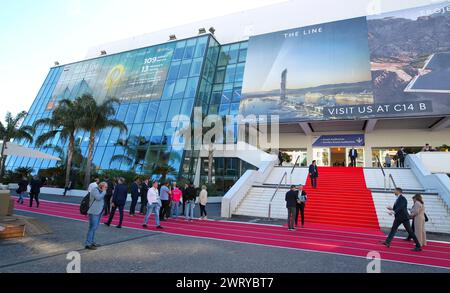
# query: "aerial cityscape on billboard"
297,73
395,64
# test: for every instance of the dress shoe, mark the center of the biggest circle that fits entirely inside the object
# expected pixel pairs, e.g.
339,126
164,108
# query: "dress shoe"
91,247
145,226
119,227
386,244
417,249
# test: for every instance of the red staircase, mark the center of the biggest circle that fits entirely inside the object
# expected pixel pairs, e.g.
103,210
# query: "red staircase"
341,199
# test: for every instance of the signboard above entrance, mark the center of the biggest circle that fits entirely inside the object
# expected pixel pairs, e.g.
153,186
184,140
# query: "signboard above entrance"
350,140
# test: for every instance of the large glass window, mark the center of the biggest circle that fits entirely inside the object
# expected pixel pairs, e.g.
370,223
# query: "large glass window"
163,110
179,89
184,69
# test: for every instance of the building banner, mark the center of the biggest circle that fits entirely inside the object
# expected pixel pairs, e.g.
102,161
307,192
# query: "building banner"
344,140
388,65
134,76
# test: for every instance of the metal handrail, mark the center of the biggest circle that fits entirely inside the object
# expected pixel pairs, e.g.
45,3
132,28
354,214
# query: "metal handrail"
275,193
391,178
381,166
295,166
382,170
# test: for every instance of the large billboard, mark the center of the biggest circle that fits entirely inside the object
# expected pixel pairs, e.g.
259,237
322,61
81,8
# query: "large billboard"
389,65
131,76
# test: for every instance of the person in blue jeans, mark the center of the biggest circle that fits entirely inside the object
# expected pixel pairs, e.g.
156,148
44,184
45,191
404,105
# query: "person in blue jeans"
190,202
154,205
95,213
22,190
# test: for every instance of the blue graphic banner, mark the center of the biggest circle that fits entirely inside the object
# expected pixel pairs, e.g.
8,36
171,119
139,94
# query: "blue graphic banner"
351,140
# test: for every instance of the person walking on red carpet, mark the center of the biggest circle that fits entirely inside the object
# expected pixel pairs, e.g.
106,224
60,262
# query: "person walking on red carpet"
203,201
176,200
22,190
118,202
144,191
313,174
135,193
301,204
153,205
35,190
108,196
291,205
400,209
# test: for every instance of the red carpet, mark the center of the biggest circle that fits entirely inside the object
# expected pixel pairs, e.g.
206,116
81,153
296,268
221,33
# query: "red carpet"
349,241
341,199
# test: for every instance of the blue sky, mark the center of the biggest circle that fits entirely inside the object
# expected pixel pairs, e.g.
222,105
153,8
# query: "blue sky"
34,34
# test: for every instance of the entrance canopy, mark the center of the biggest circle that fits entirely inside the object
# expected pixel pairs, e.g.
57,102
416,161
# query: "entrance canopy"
13,149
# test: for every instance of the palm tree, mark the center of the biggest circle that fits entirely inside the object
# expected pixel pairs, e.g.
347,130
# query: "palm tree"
77,155
163,169
12,129
94,118
65,121
135,148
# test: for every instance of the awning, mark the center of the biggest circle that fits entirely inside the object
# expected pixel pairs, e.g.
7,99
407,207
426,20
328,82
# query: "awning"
13,149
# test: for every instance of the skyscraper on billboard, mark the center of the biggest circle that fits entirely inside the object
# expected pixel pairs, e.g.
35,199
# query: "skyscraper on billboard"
283,85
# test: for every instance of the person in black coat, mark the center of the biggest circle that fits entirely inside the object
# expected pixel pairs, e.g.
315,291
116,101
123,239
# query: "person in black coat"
22,190
118,201
184,196
313,174
301,204
135,194
353,155
35,190
144,190
108,196
401,218
291,205
401,155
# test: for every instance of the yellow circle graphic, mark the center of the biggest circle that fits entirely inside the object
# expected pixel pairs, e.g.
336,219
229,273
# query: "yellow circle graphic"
114,76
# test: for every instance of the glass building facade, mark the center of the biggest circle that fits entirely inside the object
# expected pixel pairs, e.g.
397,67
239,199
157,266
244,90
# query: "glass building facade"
154,84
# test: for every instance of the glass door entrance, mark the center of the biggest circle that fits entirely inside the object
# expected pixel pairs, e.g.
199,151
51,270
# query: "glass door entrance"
337,157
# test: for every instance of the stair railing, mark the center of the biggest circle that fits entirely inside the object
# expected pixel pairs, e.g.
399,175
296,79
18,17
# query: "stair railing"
384,173
275,193
295,166
391,179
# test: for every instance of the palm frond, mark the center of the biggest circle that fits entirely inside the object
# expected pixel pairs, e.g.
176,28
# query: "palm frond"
43,138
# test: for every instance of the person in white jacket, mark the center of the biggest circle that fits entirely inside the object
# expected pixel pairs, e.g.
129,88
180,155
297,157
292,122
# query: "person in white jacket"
203,200
153,206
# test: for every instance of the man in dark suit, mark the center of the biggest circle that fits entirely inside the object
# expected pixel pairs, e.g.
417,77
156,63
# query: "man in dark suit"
108,196
135,193
291,204
401,218
35,190
353,155
401,154
144,190
301,203
314,174
118,202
